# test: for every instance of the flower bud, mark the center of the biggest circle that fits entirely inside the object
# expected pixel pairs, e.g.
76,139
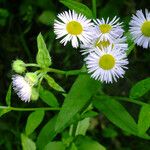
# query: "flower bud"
31,78
34,94
18,66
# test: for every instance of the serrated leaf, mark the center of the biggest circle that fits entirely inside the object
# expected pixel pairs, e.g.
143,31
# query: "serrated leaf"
55,146
79,95
116,113
47,133
43,58
27,144
48,97
144,119
140,88
53,84
78,7
33,121
86,143
8,96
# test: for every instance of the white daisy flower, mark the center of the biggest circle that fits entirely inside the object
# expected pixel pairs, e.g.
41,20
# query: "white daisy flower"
73,27
97,44
140,28
108,30
22,87
107,65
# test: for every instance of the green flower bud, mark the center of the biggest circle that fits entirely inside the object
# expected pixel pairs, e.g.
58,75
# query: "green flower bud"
31,78
18,66
34,94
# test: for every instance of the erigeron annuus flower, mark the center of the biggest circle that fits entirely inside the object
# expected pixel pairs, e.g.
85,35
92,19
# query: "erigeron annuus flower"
73,27
108,30
23,85
140,28
106,65
97,44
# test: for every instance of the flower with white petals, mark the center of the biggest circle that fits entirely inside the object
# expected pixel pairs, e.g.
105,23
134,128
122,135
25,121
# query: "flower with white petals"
108,30
97,44
73,27
140,28
22,87
107,65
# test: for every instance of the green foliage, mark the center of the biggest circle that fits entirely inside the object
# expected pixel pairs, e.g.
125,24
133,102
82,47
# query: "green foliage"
144,119
33,121
116,113
78,7
43,58
4,14
140,88
8,95
27,144
79,95
55,146
3,110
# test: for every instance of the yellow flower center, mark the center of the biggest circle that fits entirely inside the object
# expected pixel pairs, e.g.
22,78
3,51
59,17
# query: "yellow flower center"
102,44
107,62
105,28
74,28
146,28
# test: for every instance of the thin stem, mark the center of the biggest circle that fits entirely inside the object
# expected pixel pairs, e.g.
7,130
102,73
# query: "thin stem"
94,8
31,65
130,100
30,109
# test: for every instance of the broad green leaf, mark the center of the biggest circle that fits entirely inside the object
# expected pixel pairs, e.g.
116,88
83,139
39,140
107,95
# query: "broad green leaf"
86,143
140,88
82,126
144,119
116,113
48,97
46,134
89,114
47,17
27,144
78,7
55,146
8,96
3,110
73,147
53,84
79,95
43,58
33,121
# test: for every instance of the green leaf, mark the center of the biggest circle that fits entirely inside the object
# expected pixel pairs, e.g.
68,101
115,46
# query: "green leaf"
82,126
53,84
79,95
46,134
8,96
4,14
27,144
47,17
144,119
86,143
43,58
55,146
33,121
116,113
78,7
140,88
3,110
48,97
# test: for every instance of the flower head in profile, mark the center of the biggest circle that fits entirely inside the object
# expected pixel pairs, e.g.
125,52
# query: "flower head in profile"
107,65
108,30
23,86
73,27
140,28
97,44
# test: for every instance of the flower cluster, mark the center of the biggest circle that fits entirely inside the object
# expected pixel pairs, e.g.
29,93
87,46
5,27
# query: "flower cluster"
102,41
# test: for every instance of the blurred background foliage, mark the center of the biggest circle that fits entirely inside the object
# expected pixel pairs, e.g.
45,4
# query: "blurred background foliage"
20,23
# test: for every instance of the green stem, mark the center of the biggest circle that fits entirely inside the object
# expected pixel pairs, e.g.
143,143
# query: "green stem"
30,109
130,100
94,8
31,65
